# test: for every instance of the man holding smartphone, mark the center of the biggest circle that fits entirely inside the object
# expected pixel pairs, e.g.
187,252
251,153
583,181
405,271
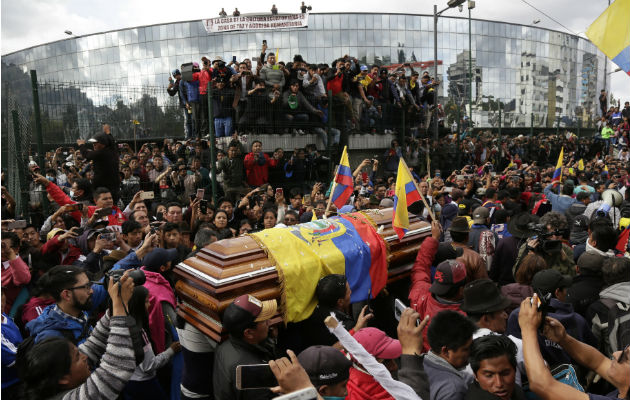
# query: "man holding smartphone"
247,320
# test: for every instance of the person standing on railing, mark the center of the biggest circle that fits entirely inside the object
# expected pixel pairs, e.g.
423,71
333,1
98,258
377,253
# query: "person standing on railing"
104,157
176,87
203,77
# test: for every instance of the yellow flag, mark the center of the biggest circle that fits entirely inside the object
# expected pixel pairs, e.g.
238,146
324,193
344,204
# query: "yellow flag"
136,122
314,217
581,165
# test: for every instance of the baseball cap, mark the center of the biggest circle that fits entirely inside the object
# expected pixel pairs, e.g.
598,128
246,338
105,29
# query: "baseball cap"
364,68
325,365
548,280
245,310
158,257
176,72
480,215
54,232
101,138
448,273
580,223
446,251
196,64
378,344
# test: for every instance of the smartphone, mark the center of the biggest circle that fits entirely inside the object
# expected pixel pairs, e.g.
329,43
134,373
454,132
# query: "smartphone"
264,42
79,231
364,178
280,191
103,212
201,193
203,206
459,177
307,199
233,58
255,376
147,195
74,207
19,224
399,307
193,197
493,173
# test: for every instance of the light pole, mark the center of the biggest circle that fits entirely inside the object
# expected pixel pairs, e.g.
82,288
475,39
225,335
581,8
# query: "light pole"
471,5
436,14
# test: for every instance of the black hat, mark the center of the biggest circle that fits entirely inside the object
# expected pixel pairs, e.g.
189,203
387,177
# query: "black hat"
448,274
446,251
459,224
483,296
101,138
325,365
548,280
518,225
591,262
580,223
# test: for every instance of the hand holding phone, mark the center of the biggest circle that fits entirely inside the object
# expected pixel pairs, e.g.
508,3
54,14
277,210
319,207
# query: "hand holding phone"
149,195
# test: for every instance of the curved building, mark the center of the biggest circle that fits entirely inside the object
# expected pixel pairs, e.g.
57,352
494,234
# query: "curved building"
538,75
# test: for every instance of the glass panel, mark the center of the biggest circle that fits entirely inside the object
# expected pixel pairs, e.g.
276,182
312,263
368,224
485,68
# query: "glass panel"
385,21
336,21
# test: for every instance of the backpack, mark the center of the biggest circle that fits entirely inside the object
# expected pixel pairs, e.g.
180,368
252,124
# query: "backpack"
618,324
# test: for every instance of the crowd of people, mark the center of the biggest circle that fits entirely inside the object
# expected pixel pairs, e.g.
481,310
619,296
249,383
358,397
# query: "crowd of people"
521,289
293,97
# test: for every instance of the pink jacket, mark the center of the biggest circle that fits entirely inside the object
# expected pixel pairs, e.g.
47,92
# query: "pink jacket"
159,291
15,274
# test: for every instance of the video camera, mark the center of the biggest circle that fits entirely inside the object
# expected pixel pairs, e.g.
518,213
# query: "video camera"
545,245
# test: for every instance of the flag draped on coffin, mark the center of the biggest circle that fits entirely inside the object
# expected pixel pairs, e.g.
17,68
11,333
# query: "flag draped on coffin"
304,253
557,174
611,33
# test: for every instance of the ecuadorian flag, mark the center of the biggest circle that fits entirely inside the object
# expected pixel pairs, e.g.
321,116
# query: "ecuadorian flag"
611,33
343,181
404,195
557,174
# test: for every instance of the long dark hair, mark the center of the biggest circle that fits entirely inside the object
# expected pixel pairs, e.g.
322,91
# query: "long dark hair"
41,367
138,311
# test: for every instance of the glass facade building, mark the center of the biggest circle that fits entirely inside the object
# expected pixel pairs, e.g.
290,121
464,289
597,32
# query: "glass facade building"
536,74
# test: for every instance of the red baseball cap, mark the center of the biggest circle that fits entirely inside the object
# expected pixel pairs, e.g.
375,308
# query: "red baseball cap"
448,273
378,344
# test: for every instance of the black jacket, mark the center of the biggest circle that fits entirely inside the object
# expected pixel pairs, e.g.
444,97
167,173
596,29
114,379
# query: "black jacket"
105,167
412,373
584,290
475,392
237,352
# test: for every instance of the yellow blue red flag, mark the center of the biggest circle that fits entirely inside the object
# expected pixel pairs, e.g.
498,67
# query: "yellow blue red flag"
348,244
405,194
611,33
343,181
557,174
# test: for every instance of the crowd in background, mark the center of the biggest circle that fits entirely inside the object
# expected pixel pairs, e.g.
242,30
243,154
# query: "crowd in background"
89,307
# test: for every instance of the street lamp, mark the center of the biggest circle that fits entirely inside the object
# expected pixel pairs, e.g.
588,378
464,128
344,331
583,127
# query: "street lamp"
471,5
436,14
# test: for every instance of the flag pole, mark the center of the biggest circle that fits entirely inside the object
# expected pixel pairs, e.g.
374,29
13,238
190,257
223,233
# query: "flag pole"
402,160
332,190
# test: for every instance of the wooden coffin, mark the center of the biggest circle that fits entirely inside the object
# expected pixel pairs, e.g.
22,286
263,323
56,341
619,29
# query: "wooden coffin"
226,269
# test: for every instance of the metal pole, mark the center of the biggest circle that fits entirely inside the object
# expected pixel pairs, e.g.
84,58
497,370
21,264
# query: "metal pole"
459,138
579,126
499,141
20,202
330,116
470,66
557,125
435,71
213,150
401,135
531,125
606,67
38,121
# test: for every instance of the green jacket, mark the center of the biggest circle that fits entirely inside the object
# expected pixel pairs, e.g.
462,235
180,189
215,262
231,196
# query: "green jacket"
607,132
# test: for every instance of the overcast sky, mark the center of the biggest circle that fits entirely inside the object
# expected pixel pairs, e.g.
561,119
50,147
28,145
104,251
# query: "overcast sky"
32,22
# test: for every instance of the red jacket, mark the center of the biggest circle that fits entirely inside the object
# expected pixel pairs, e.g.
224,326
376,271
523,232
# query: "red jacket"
203,77
362,386
115,219
258,174
54,246
15,274
34,307
159,291
419,296
335,84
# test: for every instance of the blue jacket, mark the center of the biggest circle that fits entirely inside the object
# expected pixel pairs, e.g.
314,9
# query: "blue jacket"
11,338
128,262
192,91
559,203
52,322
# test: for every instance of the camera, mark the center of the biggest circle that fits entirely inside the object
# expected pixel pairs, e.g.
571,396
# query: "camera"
545,245
137,275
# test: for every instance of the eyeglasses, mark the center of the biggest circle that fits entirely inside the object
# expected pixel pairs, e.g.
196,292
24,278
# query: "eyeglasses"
87,286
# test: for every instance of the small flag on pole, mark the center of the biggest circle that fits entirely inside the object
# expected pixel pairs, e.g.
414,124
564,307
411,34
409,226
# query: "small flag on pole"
405,194
343,182
557,175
